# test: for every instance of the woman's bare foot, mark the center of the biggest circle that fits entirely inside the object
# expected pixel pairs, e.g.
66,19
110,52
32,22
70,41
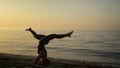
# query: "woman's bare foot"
29,29
69,34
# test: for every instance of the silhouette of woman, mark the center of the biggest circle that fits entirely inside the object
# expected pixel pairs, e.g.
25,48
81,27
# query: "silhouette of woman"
44,40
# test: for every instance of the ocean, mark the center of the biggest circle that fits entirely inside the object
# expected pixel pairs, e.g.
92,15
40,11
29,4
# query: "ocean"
87,45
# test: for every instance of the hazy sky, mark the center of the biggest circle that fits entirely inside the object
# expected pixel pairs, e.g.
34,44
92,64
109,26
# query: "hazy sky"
60,14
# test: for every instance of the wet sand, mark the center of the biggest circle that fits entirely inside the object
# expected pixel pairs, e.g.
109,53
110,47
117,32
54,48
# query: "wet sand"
22,61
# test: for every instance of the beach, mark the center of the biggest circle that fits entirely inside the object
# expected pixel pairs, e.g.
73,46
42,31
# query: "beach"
70,33
85,49
24,61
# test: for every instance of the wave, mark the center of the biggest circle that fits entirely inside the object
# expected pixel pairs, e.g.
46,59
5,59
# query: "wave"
90,42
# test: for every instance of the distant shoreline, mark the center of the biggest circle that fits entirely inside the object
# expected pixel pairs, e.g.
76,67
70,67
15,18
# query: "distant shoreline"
14,60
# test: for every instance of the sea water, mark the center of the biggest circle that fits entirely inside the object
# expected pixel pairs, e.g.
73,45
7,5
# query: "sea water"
88,45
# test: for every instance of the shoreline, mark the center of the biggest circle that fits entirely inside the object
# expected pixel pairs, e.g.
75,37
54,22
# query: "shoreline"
24,61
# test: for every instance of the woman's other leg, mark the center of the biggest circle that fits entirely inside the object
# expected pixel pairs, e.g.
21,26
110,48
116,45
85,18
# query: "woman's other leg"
58,36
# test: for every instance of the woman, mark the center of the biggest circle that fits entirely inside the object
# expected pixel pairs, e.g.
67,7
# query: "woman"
44,40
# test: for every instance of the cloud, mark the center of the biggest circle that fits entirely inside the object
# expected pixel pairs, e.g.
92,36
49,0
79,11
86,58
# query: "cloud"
106,9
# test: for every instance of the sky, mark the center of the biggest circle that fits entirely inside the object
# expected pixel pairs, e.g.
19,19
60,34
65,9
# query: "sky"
60,14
